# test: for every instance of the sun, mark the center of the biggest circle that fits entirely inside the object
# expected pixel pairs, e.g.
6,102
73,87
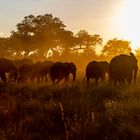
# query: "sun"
130,22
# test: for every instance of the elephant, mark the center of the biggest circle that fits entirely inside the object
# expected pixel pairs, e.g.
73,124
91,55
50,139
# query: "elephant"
24,73
30,72
123,68
40,71
45,70
96,70
7,66
61,70
35,72
20,62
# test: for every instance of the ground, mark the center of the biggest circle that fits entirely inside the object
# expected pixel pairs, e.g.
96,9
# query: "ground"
69,112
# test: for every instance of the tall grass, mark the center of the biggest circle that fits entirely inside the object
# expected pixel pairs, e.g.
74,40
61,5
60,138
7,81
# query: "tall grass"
69,112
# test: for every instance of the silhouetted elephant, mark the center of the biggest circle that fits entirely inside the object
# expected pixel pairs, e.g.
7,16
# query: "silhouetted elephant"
96,70
122,68
35,72
7,66
20,62
61,70
30,72
45,70
25,73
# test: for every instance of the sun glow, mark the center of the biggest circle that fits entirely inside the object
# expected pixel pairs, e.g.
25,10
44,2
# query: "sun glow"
130,22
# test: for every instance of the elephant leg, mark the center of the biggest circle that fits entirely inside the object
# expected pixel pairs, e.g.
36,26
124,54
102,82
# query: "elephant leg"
15,76
96,80
19,79
10,77
122,81
38,78
66,79
111,81
3,77
53,80
115,82
46,78
103,78
32,78
88,79
59,80
129,79
42,78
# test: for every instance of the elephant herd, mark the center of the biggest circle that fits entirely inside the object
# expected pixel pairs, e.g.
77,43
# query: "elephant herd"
122,68
24,70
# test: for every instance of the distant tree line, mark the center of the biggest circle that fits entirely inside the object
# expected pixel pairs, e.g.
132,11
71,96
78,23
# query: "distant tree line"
44,36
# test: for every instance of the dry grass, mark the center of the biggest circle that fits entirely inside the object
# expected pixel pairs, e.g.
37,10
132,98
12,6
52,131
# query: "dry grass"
69,112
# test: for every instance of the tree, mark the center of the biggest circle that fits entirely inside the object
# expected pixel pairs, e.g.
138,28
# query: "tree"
5,48
115,47
37,33
88,42
67,39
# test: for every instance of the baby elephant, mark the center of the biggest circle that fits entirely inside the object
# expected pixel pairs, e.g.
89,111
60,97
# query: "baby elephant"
96,70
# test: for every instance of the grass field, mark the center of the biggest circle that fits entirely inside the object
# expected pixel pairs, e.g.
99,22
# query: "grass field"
69,112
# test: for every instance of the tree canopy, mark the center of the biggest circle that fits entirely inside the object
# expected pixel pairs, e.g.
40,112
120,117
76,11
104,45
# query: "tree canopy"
115,47
36,36
40,32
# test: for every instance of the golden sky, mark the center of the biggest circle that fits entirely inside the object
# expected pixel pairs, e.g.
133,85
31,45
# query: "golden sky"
109,18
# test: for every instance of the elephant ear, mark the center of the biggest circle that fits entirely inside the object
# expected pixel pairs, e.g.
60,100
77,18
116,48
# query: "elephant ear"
133,56
73,65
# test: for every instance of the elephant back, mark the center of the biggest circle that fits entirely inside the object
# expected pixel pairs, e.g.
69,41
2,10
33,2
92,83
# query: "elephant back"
95,68
104,66
7,65
121,61
91,65
20,62
46,66
121,67
59,68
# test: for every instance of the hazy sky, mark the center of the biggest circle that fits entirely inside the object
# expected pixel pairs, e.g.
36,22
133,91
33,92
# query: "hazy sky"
96,16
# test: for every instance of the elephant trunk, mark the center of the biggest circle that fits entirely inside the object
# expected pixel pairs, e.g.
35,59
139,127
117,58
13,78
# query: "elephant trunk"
74,76
135,73
135,68
16,76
